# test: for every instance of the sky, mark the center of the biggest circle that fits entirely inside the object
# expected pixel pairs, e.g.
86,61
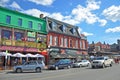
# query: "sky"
99,20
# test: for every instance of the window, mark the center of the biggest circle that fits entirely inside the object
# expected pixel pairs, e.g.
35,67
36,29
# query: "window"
64,28
70,43
6,34
30,24
54,25
65,42
61,42
83,44
39,26
8,19
76,43
80,45
72,30
18,35
50,40
56,41
19,22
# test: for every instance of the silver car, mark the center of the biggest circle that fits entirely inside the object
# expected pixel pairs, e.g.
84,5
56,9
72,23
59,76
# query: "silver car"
81,63
30,66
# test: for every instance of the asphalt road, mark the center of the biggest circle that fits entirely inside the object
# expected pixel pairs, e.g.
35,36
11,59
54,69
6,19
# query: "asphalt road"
109,73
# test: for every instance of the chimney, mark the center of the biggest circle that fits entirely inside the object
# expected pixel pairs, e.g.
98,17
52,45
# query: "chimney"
41,15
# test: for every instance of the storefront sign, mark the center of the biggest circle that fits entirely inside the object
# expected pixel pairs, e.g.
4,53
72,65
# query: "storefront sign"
31,34
11,48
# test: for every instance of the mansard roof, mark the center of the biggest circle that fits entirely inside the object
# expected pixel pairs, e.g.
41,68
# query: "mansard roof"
61,27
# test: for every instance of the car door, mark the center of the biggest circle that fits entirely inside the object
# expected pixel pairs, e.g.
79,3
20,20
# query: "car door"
83,63
61,64
32,65
26,66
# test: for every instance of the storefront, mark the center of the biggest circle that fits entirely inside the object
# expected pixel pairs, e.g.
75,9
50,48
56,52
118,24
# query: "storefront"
60,53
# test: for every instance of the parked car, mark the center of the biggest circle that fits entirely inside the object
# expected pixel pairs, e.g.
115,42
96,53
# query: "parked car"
102,61
30,66
60,64
82,63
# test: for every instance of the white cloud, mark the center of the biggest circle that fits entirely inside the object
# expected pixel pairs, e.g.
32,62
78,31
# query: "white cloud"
81,13
79,30
116,29
102,22
35,12
42,2
112,13
87,34
57,16
92,5
3,2
77,15
15,5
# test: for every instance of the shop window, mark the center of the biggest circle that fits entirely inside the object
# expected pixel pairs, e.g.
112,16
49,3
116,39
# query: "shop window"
30,24
8,19
19,22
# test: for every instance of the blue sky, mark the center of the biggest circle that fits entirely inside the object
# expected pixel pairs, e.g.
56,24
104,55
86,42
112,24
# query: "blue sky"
99,20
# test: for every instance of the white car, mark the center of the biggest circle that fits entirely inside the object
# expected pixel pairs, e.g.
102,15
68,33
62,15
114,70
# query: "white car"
30,66
102,61
82,63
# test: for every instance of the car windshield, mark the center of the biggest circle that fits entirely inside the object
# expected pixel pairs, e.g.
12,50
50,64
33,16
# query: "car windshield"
78,61
99,58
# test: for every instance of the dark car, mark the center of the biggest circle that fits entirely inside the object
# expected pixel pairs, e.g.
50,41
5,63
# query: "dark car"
61,64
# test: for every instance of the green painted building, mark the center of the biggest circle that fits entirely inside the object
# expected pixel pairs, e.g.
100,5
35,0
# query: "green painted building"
20,32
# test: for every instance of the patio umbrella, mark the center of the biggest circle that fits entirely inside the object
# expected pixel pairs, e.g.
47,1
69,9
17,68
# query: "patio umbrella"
5,54
18,55
38,55
29,55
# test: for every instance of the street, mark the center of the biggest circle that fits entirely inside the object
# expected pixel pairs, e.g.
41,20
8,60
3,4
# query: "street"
109,73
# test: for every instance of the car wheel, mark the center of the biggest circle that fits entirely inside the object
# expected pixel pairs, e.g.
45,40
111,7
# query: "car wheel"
68,67
88,65
56,68
19,70
93,67
111,65
103,66
80,65
38,69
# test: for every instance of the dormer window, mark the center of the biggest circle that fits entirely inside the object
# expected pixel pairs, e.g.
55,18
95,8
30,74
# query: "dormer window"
64,28
54,25
72,30
50,25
